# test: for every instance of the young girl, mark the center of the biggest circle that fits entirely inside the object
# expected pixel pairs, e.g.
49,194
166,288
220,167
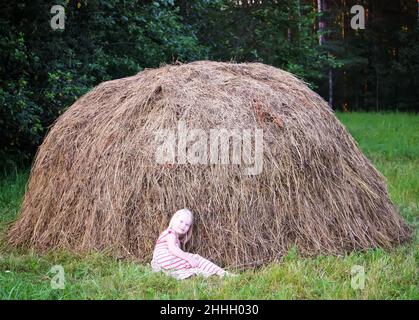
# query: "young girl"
171,259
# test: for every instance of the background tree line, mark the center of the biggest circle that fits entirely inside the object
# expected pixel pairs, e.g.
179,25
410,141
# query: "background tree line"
43,71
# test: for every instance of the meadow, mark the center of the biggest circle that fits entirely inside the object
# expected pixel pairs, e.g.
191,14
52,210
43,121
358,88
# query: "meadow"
390,141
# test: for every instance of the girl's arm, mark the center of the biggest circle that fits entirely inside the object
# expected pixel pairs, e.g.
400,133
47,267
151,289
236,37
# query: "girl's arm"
175,250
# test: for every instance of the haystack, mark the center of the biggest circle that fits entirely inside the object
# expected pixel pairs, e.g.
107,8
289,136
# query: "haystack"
97,183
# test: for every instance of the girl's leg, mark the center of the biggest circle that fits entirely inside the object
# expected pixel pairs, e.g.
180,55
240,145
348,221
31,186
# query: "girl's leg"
207,268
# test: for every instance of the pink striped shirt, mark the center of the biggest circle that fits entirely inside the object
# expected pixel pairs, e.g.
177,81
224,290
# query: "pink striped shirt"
163,258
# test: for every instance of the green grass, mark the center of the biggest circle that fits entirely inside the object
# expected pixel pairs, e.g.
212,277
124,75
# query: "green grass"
390,140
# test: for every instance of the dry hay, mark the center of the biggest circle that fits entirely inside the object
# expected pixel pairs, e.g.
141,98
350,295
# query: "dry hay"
95,183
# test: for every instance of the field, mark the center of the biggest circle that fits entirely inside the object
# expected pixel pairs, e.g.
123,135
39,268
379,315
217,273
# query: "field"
390,140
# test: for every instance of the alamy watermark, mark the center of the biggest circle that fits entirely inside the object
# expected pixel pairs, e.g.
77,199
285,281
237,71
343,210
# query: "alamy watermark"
58,280
213,147
358,277
358,20
58,20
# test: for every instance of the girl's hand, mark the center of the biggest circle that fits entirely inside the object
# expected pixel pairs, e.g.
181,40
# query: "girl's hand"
193,262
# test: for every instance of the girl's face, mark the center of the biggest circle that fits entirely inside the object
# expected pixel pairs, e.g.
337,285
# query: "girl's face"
182,223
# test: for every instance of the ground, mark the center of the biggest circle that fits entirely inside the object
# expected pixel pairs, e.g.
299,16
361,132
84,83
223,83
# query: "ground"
390,140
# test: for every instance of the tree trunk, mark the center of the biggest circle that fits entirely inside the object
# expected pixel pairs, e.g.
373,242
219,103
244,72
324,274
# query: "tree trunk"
376,97
321,23
331,88
321,7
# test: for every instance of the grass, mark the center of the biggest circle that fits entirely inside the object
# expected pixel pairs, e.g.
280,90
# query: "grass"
390,140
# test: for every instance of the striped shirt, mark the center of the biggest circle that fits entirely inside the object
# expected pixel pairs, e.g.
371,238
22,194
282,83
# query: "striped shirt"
164,260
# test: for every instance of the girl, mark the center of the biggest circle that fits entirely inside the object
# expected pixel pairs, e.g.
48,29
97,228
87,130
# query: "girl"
171,259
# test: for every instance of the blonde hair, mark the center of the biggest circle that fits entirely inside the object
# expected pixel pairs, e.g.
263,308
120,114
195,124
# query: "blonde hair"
186,237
